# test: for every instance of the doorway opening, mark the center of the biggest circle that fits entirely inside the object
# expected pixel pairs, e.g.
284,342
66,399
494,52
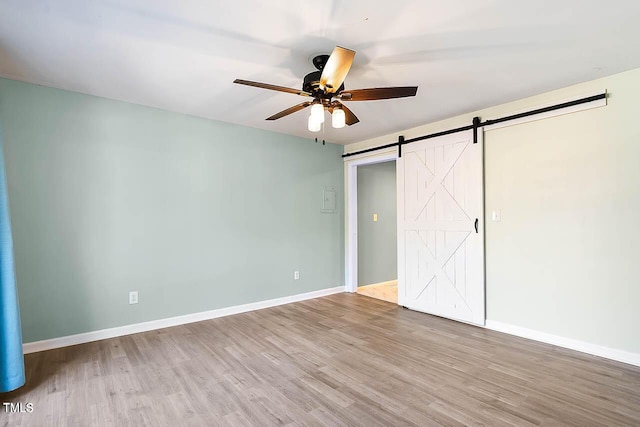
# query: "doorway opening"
377,231
372,255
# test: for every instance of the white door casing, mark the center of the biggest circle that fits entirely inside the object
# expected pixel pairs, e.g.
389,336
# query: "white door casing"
351,203
440,201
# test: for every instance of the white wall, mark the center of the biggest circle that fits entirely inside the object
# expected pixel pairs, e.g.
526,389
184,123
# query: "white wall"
564,260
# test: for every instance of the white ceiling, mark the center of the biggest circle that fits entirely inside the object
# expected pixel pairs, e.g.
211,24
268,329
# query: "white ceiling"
183,55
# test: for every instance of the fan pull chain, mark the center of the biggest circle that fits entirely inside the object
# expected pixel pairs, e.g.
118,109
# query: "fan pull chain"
323,131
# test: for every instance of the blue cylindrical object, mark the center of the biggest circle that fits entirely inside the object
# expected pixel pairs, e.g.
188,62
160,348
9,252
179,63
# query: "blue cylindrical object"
11,355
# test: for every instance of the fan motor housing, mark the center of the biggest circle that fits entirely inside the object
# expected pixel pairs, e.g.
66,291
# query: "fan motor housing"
311,84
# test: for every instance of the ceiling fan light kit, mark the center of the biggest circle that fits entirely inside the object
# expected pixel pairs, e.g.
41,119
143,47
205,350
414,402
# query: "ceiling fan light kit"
316,118
326,87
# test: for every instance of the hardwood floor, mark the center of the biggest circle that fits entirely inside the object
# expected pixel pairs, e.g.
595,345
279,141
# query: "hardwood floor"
345,359
386,291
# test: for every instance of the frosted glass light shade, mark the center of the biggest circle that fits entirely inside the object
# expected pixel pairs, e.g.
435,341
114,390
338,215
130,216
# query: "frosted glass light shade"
312,124
317,112
338,118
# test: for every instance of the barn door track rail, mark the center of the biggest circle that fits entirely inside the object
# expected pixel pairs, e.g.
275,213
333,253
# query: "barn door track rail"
477,123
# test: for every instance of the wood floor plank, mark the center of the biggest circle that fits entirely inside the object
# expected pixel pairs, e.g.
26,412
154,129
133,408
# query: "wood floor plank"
345,359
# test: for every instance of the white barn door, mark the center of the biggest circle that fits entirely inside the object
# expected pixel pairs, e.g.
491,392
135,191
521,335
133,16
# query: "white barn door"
441,227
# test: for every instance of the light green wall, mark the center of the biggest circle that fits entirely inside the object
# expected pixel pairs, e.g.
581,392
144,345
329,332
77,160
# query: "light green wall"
377,241
108,197
564,258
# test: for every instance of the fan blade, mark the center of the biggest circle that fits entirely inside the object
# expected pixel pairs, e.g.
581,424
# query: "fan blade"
350,118
290,110
378,93
272,87
336,69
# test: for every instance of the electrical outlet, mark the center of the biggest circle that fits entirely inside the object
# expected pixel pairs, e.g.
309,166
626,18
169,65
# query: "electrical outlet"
133,297
296,275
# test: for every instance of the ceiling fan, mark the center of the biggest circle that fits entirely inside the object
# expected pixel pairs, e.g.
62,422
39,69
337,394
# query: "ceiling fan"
326,88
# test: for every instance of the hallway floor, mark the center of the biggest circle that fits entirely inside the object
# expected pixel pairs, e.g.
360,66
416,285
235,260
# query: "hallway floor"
386,291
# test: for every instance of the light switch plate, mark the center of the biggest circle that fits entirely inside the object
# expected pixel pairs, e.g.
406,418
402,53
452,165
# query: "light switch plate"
375,217
133,297
496,215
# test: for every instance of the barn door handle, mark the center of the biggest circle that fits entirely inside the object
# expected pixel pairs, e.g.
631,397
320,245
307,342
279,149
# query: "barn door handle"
475,224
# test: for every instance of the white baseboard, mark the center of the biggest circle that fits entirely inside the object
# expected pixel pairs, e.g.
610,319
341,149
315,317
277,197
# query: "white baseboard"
119,331
585,347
